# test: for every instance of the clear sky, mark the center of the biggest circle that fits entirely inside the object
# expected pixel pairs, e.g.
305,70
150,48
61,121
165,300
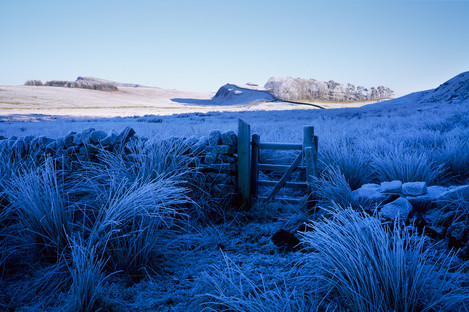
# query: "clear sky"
200,45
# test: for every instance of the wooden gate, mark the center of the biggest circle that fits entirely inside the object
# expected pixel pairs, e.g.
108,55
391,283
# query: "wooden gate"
249,165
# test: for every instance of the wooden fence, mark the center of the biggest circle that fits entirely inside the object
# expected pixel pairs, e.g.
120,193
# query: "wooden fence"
249,164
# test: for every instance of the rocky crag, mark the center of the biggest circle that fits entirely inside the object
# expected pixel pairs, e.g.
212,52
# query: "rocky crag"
297,89
237,95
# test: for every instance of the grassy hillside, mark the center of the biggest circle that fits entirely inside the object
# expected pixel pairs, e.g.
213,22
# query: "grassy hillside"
120,236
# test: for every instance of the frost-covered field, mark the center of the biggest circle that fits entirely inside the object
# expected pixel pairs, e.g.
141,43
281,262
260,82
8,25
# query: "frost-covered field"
123,237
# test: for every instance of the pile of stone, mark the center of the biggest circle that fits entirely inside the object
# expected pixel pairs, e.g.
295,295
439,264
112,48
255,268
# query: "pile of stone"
429,208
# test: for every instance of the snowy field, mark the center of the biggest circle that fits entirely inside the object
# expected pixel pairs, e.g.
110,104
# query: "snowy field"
189,256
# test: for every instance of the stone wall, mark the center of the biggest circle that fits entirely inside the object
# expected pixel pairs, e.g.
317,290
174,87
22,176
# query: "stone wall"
214,158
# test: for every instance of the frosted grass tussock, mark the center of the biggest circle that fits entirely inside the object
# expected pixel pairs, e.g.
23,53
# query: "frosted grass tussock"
39,200
131,203
232,290
376,269
407,166
86,271
332,187
128,226
455,155
354,163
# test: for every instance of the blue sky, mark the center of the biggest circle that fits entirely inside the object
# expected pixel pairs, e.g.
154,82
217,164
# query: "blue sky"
201,45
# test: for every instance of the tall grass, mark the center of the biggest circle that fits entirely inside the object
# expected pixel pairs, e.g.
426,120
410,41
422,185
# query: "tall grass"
332,188
232,290
376,269
128,226
354,162
407,166
455,156
127,204
87,277
39,200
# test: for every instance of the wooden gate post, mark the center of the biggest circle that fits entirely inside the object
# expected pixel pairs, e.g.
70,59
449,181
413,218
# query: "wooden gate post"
256,140
310,150
244,163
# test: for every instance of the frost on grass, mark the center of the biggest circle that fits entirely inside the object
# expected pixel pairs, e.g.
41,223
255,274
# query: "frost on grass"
373,268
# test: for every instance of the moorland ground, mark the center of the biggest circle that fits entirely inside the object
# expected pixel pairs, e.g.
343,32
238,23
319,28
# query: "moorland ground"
123,236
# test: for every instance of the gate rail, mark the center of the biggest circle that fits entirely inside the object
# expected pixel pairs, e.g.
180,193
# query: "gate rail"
249,165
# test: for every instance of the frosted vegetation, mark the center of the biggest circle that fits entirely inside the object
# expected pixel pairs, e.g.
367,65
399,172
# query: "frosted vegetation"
144,236
288,88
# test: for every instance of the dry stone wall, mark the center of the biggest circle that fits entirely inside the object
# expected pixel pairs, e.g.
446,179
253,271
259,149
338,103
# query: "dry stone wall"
214,157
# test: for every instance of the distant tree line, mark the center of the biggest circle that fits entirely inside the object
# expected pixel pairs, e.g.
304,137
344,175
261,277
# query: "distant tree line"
74,84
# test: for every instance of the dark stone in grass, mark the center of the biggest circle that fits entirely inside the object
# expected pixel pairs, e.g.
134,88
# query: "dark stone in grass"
229,138
97,136
285,240
214,138
126,134
457,235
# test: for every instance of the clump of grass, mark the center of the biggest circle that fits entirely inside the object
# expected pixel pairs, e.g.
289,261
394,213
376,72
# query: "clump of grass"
332,188
127,204
375,269
455,156
128,225
406,166
38,199
353,162
232,290
86,271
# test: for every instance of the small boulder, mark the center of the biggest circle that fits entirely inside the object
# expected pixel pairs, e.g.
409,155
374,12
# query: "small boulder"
414,188
214,138
394,187
219,149
229,138
369,192
424,202
285,240
191,141
111,139
197,148
97,136
125,135
457,235
68,139
77,139
400,208
86,135
210,158
455,193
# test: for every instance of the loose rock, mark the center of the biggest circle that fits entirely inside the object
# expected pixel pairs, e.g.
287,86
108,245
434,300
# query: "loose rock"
400,208
414,188
391,187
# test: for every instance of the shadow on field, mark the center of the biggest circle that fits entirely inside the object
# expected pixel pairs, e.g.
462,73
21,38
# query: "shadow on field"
193,101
